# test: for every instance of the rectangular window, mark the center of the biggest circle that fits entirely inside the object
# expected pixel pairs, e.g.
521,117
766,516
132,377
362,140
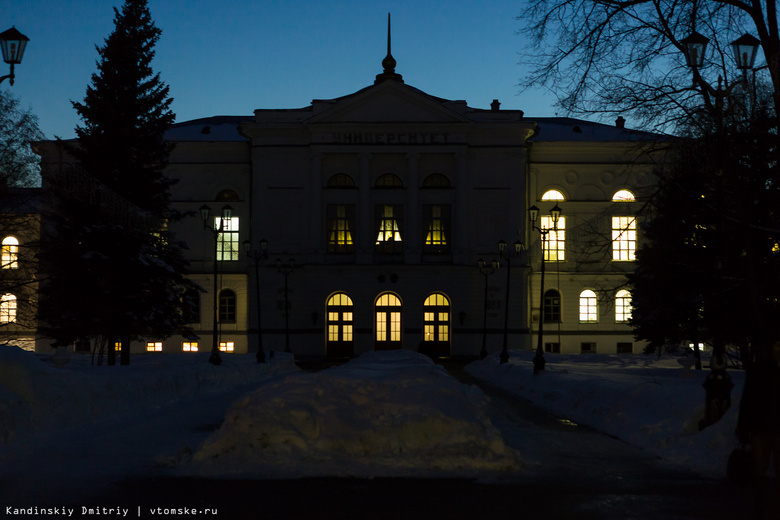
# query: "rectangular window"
552,348
625,348
555,245
340,228
436,229
228,245
624,239
189,346
227,346
154,346
587,348
388,223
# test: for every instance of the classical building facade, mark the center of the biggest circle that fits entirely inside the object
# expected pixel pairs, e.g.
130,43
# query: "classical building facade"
358,223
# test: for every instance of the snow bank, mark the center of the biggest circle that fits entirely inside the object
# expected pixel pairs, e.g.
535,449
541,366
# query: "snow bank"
382,414
651,403
37,396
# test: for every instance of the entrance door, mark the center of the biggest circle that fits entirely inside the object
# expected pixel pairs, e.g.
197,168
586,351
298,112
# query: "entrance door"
436,341
388,322
340,342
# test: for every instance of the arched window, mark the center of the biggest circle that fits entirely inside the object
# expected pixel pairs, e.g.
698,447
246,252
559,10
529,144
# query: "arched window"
622,306
588,306
388,322
227,196
552,306
389,180
436,180
10,253
553,195
340,326
227,306
341,180
436,336
8,308
191,305
623,196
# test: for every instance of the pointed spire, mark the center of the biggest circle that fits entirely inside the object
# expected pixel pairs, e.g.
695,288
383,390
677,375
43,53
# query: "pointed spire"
388,64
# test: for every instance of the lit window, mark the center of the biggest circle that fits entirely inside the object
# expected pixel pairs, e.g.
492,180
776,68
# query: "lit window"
622,306
552,306
227,239
388,320
227,346
555,245
189,346
227,306
553,195
154,346
117,346
437,318
341,223
389,220
8,308
10,253
623,196
624,238
588,306
436,223
339,318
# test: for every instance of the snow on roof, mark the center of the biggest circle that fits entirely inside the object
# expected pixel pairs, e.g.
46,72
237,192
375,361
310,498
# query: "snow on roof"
217,128
557,129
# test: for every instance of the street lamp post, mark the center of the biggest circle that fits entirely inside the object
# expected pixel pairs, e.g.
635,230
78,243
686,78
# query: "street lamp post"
504,358
718,383
258,255
227,213
533,215
486,270
286,269
13,44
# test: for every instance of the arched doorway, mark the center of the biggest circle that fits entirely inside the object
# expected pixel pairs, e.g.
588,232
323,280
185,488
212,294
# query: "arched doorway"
387,313
340,341
436,331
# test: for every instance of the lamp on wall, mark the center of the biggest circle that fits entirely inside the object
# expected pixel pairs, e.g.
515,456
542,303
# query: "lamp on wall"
13,43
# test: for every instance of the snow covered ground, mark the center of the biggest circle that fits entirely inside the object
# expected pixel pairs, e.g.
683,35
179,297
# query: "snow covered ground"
654,404
70,429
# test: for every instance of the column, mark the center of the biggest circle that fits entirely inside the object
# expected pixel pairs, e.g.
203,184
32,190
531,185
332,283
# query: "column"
365,224
412,235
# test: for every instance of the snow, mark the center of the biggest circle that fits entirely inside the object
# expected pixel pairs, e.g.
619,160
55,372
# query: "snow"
651,403
382,414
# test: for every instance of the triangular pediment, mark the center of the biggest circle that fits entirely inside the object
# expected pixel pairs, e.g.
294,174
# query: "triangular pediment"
388,102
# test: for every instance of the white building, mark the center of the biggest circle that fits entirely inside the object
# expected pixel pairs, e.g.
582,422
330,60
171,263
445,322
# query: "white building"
379,204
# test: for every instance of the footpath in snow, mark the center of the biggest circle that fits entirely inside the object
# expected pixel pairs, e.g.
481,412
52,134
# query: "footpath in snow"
651,403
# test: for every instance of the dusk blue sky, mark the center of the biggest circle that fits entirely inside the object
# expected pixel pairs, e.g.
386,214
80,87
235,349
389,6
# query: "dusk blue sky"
233,56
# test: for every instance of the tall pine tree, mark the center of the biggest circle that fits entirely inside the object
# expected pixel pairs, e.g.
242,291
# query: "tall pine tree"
114,272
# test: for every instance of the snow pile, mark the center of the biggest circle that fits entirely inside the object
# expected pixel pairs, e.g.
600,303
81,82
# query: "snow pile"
389,413
651,403
37,396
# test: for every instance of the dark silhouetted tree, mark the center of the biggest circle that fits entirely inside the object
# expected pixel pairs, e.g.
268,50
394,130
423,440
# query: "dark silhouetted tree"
115,272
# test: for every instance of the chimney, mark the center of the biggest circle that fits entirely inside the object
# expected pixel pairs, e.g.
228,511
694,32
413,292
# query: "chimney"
494,105
620,122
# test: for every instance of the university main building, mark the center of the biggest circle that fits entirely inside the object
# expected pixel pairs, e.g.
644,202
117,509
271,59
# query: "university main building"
375,221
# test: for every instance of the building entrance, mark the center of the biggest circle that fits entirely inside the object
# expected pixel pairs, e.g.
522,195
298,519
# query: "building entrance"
387,322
